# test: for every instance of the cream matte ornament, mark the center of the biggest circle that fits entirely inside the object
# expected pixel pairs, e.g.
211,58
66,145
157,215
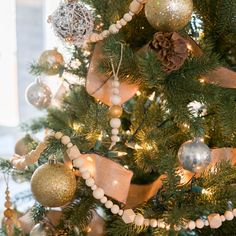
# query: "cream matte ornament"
168,15
38,94
53,184
194,156
51,62
72,22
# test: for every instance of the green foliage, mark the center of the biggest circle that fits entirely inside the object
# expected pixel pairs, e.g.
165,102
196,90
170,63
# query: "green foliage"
38,212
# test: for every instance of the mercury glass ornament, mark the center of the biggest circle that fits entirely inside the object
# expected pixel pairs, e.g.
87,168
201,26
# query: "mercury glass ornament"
72,22
38,94
53,184
168,15
40,230
194,156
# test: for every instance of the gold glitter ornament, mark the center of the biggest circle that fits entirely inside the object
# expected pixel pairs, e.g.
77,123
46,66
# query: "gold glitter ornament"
168,15
53,184
51,62
115,111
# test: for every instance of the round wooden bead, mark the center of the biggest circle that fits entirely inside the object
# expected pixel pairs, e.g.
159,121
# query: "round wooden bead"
7,204
69,145
94,187
127,17
135,7
118,25
115,84
115,99
86,175
131,13
206,223
8,213
94,37
120,213
139,220
146,222
113,29
115,131
115,209
103,200
114,139
82,169
98,193
191,225
65,140
115,111
214,220
229,215
78,163
105,33
115,122
222,218
123,22
153,223
109,204
116,91
90,182
199,223
58,135
234,212
161,224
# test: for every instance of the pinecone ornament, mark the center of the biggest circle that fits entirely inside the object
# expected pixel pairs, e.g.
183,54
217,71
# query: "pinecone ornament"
171,50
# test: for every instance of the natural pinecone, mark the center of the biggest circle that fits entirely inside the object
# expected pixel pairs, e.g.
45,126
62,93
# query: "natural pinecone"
171,50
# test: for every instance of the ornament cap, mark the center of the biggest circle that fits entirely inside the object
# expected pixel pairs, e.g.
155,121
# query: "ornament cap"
52,160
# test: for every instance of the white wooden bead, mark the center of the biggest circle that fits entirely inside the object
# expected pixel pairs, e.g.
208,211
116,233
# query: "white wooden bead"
115,209
90,182
109,204
123,22
214,221
114,131
222,218
139,220
105,33
114,138
234,212
65,140
115,84
127,17
120,213
161,224
86,175
100,37
94,37
206,222
103,200
131,13
191,225
128,216
115,122
78,163
94,187
116,91
118,25
199,223
83,169
73,153
146,222
153,223
58,135
69,145
115,99
98,193
135,7
113,29
229,215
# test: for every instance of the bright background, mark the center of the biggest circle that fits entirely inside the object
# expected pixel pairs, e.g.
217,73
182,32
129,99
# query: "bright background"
24,35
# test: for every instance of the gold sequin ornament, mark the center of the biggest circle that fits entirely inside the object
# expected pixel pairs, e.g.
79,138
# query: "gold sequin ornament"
168,15
51,62
53,184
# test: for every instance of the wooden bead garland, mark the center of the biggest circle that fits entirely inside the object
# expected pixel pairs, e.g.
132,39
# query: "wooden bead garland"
128,215
134,8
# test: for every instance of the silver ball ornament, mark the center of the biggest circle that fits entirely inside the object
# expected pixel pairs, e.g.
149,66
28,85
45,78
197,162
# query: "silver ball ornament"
38,94
194,156
72,22
40,230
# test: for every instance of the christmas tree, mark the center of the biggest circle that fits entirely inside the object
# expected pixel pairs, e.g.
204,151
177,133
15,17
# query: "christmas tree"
143,142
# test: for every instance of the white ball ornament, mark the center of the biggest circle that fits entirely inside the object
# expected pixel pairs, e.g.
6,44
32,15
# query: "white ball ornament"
229,215
139,220
109,204
98,193
199,223
115,122
115,209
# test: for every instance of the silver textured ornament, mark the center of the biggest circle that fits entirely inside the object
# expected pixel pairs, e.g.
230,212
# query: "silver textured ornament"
38,94
168,15
194,156
72,22
39,230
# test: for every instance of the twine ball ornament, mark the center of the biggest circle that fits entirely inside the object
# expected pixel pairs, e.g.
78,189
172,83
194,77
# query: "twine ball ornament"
53,184
51,62
194,156
25,145
72,22
38,94
168,15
